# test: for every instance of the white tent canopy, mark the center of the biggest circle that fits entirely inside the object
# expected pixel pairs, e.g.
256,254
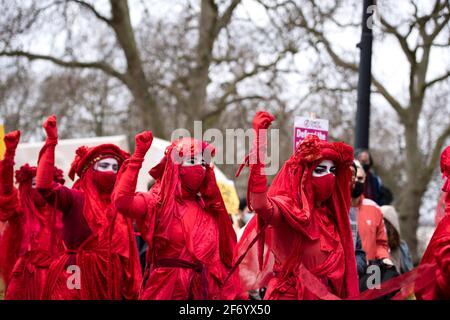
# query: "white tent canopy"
65,153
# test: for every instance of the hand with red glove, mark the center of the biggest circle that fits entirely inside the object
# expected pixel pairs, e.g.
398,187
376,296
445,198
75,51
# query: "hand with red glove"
7,164
143,143
262,120
50,128
46,159
11,141
257,178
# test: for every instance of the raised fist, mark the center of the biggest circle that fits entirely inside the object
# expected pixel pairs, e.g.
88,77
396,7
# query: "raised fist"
262,120
143,142
12,140
50,127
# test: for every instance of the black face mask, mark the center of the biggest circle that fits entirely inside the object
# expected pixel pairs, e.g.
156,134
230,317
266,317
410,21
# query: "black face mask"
358,189
366,167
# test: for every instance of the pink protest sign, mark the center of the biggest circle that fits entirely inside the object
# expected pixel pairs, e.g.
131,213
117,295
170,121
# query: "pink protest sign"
304,126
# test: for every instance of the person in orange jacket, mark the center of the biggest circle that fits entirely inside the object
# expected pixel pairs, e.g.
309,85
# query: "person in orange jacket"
370,222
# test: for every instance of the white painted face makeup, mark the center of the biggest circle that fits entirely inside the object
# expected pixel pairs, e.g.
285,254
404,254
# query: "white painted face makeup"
324,168
194,161
107,165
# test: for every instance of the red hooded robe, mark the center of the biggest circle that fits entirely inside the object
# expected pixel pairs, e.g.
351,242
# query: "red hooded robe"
32,238
190,238
100,247
303,237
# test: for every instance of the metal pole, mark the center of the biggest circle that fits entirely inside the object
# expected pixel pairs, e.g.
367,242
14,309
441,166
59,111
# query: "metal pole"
364,81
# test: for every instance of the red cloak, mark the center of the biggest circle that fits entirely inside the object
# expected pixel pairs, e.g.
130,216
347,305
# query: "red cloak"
319,240
99,241
190,237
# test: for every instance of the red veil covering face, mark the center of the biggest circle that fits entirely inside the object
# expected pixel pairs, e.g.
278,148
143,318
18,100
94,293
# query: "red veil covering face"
292,193
108,257
32,237
168,194
98,211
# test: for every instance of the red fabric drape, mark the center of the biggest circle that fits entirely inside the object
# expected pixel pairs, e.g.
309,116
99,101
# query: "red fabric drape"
292,194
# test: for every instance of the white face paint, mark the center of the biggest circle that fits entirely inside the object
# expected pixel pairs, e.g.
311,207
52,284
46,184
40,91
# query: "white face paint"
194,161
107,165
324,168
33,182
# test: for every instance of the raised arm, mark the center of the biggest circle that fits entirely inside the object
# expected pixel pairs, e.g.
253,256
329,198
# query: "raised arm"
45,184
257,181
7,164
46,162
125,199
9,201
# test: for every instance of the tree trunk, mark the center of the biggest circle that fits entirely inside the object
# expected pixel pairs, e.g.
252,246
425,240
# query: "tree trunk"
409,208
135,77
199,77
411,197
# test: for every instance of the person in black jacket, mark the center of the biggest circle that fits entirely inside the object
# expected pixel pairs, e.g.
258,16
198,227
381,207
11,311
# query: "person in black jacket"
360,254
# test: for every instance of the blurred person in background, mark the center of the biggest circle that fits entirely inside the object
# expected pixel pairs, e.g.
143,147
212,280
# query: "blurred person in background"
243,217
372,231
372,184
360,254
398,249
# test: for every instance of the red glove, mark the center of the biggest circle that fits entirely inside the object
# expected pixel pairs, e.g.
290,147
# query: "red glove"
50,128
262,120
46,160
257,179
7,164
11,141
143,143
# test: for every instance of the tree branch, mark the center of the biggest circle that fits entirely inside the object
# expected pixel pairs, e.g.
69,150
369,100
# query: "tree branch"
68,64
401,39
232,87
224,20
390,98
438,79
93,10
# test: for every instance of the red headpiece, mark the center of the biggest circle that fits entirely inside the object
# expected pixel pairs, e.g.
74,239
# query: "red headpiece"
26,173
85,157
179,148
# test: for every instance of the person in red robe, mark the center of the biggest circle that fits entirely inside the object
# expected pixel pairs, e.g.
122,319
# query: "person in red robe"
32,239
437,253
304,241
100,260
184,221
